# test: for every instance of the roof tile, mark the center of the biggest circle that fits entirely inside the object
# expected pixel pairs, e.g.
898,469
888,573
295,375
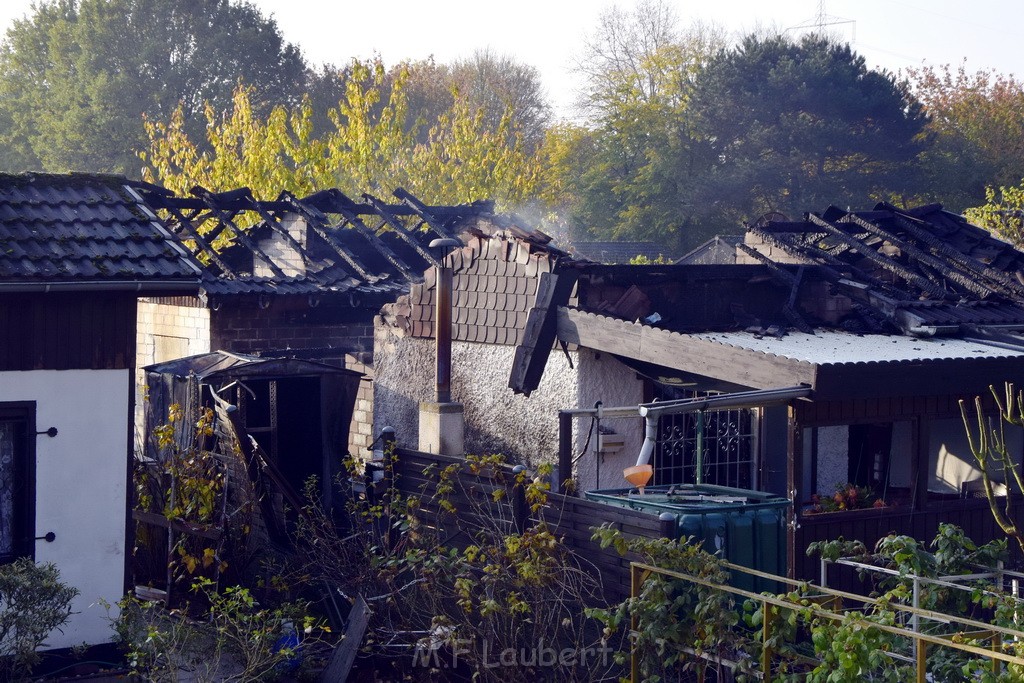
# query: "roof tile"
78,228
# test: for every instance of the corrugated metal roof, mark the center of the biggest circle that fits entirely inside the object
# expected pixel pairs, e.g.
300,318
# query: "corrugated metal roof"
81,228
845,348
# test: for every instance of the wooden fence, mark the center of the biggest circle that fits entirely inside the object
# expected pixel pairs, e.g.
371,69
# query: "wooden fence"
970,514
490,497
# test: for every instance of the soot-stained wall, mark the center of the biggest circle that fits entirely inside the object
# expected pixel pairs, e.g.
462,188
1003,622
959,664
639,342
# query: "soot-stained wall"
499,421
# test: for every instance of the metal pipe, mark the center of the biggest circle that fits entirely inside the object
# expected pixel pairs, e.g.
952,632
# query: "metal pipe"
443,323
700,448
650,439
741,399
443,336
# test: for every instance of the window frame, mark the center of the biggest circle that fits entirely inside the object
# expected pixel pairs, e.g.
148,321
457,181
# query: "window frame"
25,477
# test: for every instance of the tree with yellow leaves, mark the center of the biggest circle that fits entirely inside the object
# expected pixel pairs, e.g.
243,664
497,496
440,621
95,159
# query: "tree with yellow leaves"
372,148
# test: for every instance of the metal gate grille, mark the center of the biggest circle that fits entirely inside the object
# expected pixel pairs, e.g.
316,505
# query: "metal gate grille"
729,446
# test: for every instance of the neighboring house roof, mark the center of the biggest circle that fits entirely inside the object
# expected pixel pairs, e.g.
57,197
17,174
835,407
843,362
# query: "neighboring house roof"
323,243
86,231
617,251
720,249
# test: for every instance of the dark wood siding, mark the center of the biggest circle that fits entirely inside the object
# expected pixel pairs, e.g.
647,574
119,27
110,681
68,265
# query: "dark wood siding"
93,330
852,411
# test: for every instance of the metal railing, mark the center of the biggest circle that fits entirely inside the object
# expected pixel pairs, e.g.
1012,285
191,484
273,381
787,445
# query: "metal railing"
827,603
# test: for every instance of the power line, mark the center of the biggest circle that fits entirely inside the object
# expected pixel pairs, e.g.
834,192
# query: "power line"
822,19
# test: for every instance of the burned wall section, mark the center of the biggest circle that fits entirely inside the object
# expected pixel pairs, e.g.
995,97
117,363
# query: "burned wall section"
255,325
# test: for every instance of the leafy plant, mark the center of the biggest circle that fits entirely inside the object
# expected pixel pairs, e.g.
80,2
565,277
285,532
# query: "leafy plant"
846,497
33,602
450,568
235,640
680,626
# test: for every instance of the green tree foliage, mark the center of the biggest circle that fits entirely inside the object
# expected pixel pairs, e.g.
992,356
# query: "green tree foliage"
796,126
371,146
625,172
977,124
78,77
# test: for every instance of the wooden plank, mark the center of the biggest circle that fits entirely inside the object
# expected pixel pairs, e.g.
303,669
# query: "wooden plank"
159,520
340,664
682,352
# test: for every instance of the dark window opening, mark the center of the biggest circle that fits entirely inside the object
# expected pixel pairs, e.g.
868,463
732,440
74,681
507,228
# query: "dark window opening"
17,480
870,446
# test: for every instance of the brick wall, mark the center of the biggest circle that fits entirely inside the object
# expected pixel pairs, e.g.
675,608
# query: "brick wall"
166,330
360,434
774,253
290,323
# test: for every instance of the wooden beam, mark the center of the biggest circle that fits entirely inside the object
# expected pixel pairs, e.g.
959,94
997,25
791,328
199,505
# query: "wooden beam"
682,352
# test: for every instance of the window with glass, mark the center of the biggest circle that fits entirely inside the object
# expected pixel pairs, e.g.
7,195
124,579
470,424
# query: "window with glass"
17,430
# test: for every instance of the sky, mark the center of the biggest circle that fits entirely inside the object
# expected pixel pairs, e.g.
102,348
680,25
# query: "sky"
549,34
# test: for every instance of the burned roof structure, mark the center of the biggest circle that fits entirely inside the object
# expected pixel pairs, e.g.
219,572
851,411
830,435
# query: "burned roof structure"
922,271
326,242
837,280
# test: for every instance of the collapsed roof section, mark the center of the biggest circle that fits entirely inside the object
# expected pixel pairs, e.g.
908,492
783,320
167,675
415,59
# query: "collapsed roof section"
326,242
888,274
922,271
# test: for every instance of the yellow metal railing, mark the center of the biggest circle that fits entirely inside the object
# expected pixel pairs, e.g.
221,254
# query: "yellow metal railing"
824,597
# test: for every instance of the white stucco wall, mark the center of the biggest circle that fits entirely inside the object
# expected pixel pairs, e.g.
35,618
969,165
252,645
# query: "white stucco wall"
602,378
80,486
833,458
497,420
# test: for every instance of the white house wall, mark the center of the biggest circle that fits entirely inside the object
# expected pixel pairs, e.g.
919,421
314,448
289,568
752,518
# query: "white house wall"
497,421
602,378
80,486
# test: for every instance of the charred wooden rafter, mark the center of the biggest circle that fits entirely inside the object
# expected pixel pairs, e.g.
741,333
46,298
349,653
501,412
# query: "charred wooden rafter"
786,243
884,262
385,213
957,278
227,220
997,279
320,224
787,279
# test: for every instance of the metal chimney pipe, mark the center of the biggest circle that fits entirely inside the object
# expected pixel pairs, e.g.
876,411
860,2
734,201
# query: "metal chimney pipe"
443,323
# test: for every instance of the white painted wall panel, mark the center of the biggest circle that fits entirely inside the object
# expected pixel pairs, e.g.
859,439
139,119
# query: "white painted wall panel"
80,486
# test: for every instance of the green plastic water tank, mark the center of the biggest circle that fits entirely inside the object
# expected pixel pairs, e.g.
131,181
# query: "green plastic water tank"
745,527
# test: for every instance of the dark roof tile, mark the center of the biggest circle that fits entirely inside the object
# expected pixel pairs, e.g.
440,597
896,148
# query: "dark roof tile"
78,228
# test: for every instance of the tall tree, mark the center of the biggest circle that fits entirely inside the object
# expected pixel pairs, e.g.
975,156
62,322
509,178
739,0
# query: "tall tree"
795,126
78,77
977,122
623,172
497,85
